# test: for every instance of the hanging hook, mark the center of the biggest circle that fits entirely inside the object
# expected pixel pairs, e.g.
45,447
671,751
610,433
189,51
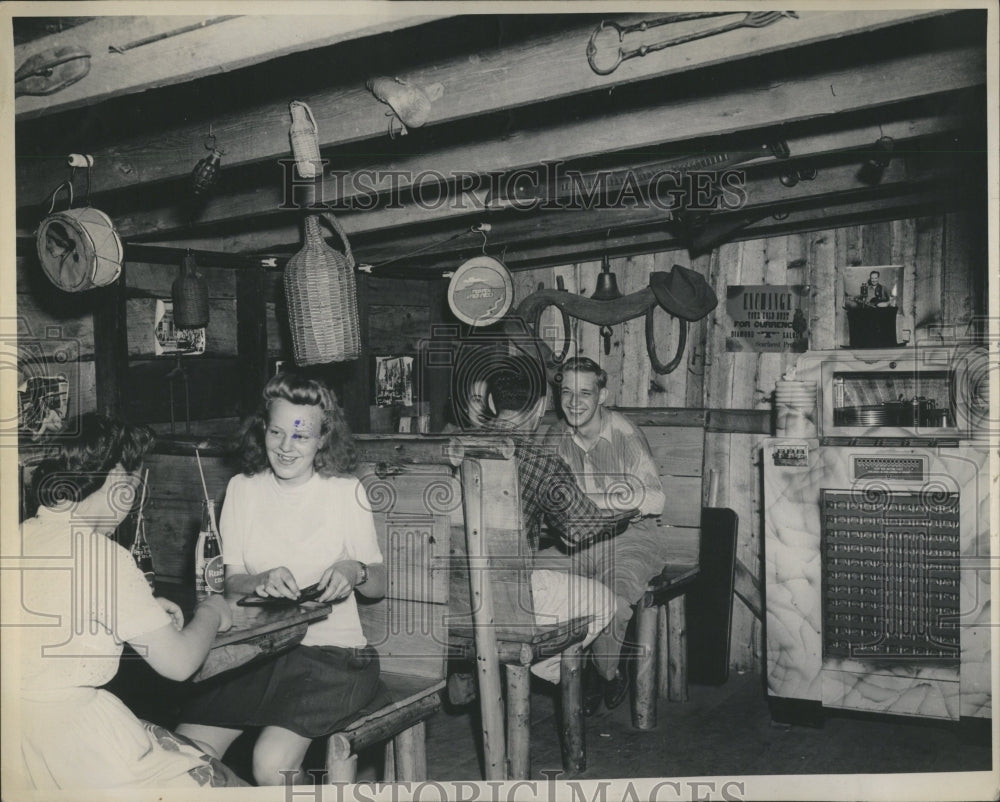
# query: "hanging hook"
482,228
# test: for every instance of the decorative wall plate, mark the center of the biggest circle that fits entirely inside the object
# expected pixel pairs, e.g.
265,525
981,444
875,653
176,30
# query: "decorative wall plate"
481,291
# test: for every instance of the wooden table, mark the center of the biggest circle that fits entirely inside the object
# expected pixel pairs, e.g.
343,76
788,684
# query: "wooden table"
257,632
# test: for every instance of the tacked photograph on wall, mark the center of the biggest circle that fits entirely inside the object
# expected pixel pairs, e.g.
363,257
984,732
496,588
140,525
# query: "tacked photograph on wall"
873,297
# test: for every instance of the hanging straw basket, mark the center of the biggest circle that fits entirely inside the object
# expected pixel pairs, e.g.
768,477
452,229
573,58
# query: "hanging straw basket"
304,136
190,294
322,300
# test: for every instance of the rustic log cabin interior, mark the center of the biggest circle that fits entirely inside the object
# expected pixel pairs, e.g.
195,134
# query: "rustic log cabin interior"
782,158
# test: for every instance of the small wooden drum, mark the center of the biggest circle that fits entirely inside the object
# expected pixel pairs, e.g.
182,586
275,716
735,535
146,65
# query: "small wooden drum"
79,249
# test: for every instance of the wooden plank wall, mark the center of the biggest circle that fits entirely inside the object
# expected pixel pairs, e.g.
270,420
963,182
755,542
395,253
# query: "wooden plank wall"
54,334
173,507
213,378
944,262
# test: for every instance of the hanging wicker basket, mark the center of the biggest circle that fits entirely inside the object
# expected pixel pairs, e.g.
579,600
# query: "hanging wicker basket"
190,294
322,300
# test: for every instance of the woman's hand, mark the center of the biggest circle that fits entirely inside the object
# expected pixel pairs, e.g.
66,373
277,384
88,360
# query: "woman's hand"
339,580
173,610
215,601
277,582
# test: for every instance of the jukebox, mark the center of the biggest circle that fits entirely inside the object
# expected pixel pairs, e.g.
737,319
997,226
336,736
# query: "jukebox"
876,538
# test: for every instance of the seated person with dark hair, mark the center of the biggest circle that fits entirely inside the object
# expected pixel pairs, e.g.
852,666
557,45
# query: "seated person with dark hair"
74,734
549,494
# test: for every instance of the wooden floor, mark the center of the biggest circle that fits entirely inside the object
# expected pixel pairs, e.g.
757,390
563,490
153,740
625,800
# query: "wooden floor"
719,731
724,730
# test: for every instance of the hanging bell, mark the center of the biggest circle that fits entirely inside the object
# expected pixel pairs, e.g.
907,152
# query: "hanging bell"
607,284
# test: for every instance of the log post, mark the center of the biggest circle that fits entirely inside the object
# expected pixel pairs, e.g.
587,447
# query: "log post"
487,661
677,625
389,763
410,754
574,736
662,652
644,707
341,765
519,721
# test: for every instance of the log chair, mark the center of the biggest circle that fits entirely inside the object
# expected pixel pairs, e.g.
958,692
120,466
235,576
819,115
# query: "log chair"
496,626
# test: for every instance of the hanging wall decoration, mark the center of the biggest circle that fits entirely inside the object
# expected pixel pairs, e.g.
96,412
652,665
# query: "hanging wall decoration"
78,249
322,299
190,295
766,317
682,293
206,172
304,136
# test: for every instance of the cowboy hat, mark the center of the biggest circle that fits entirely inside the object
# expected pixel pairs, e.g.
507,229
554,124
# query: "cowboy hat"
683,293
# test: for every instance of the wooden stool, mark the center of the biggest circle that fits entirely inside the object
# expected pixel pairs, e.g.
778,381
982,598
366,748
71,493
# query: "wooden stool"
661,633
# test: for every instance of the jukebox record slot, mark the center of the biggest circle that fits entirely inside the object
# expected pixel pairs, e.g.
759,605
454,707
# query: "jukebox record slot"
890,575
894,467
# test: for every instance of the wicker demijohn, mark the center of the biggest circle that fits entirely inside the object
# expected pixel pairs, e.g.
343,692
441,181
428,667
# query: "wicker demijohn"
321,296
190,294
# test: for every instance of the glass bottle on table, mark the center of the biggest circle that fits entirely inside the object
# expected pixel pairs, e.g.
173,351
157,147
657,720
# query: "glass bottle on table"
209,570
141,552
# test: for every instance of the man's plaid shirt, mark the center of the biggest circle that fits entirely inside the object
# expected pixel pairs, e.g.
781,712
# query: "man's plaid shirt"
549,493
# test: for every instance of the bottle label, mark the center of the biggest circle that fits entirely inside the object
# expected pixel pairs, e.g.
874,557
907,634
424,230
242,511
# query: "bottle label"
215,575
199,565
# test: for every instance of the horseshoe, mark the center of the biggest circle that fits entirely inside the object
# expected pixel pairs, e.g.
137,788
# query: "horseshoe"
658,366
564,351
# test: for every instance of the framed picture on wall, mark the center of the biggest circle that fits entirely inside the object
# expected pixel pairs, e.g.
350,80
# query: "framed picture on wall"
872,297
394,381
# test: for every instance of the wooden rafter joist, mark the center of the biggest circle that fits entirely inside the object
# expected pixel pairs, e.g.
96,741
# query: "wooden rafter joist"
528,237
167,219
763,194
522,73
134,54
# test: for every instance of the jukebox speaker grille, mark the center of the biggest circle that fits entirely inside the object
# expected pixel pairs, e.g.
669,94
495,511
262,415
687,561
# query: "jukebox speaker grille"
890,574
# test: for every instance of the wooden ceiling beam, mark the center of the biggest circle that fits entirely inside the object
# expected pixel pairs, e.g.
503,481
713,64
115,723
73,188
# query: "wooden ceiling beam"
490,80
165,220
525,256
184,48
425,239
763,195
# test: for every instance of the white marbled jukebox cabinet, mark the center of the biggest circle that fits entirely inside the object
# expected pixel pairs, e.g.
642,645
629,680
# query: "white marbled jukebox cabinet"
876,538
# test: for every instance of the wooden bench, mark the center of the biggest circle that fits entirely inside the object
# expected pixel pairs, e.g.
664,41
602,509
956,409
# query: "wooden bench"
661,629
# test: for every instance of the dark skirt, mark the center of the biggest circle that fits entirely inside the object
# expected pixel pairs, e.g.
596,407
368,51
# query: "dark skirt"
311,690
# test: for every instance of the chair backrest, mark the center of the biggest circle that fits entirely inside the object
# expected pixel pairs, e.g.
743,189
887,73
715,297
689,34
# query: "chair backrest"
492,513
413,509
677,442
678,452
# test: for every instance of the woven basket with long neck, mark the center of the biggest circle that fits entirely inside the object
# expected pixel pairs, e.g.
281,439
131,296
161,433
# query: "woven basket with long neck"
322,299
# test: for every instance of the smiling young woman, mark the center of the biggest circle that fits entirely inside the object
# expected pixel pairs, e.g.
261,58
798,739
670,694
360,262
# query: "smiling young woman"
297,516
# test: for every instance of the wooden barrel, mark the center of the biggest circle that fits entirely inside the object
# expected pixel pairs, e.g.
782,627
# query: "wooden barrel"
79,249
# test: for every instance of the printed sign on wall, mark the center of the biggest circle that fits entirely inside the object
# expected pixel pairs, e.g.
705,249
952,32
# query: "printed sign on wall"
766,317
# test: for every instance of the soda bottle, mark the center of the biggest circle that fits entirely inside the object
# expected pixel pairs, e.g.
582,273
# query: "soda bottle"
209,571
141,552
